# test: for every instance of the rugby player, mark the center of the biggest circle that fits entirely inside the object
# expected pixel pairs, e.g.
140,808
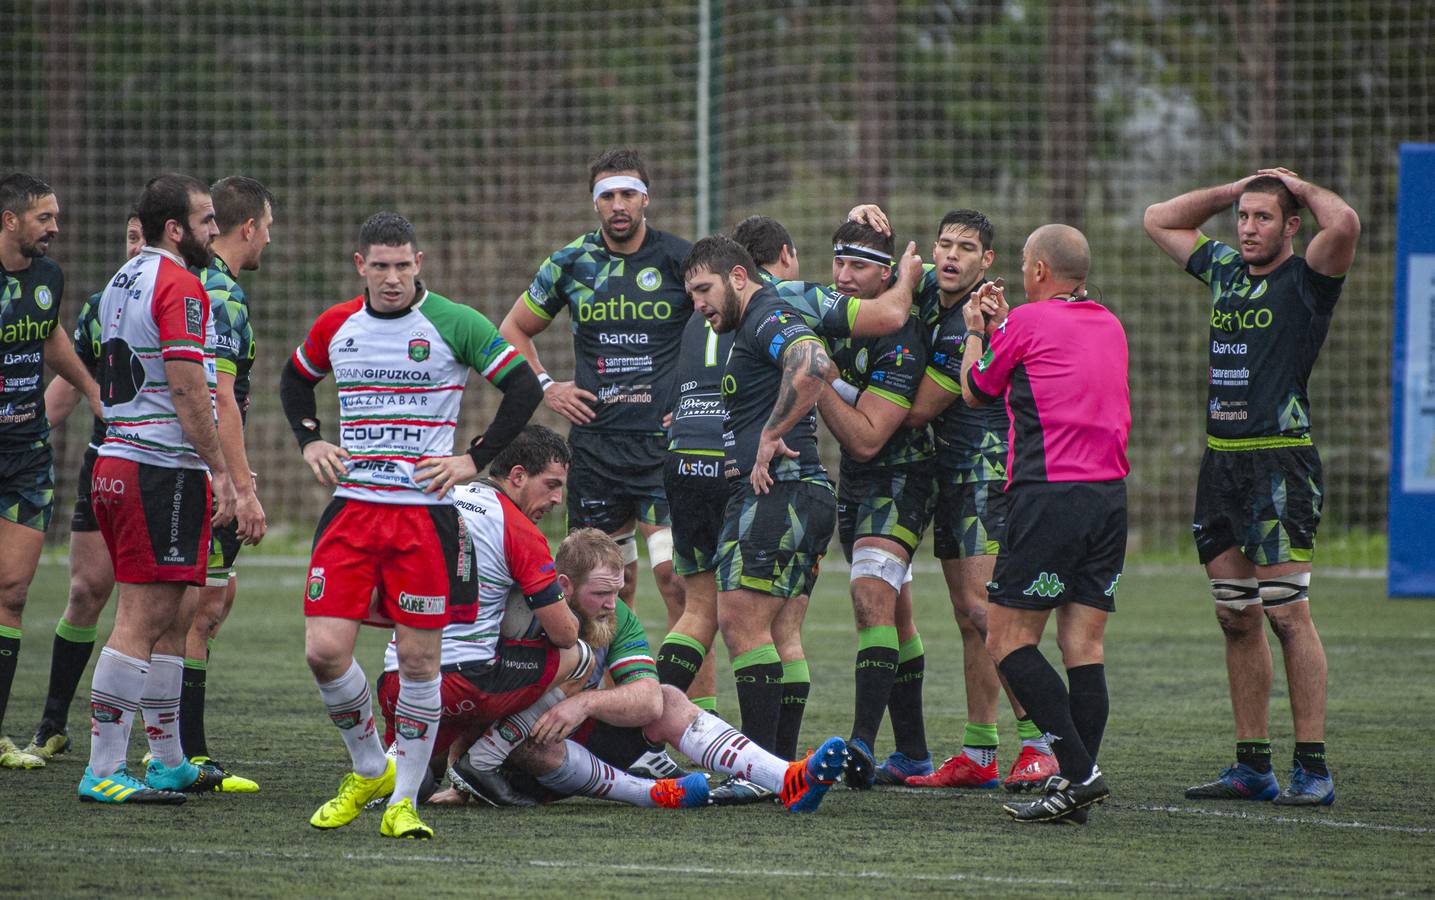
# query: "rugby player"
582,744
92,575
487,676
970,520
780,512
156,381
1060,363
30,336
1259,492
886,489
622,286
244,212
400,355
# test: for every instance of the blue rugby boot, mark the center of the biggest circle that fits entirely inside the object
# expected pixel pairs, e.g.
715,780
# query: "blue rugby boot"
1239,782
807,780
1307,789
898,767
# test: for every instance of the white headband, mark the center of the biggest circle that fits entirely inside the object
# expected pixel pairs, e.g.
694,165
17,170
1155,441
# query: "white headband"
619,183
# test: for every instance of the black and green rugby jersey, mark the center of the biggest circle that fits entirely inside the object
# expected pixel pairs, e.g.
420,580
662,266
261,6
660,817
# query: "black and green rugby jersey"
29,313
628,314
971,443
890,367
1266,331
87,342
828,312
768,329
698,409
233,333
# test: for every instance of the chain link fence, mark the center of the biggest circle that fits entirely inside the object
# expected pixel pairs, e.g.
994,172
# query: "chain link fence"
477,120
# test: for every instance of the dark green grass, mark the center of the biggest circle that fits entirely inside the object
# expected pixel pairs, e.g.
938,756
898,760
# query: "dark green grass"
1170,727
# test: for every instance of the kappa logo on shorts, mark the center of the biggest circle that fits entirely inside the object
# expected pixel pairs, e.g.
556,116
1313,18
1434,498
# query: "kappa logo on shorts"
419,349
1111,591
417,603
315,588
193,317
1046,585
410,729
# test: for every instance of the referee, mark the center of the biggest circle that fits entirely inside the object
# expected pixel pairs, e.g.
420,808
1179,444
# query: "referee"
1060,362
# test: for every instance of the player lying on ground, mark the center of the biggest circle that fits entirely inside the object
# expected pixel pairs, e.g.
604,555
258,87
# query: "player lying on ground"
601,726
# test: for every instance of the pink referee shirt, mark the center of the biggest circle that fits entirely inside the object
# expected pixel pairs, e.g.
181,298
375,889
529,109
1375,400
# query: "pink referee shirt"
1061,365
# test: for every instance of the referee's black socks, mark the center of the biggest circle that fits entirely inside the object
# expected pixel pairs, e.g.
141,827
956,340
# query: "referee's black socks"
1089,704
1041,691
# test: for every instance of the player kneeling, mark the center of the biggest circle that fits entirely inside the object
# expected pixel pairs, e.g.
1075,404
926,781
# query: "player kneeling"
578,744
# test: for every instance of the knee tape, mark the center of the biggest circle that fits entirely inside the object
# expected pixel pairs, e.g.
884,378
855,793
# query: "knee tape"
628,545
871,562
660,547
1235,593
1285,589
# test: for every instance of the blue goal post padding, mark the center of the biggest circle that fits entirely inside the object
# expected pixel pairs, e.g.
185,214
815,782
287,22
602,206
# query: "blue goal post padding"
1412,438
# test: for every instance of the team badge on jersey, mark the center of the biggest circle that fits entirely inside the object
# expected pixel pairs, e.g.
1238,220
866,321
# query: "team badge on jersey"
650,279
43,297
315,589
418,349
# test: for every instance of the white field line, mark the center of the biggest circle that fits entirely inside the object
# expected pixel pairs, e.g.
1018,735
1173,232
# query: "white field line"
578,865
1319,819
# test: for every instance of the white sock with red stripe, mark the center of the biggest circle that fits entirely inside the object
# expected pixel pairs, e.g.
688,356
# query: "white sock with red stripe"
416,715
115,692
714,744
351,708
583,774
503,736
160,704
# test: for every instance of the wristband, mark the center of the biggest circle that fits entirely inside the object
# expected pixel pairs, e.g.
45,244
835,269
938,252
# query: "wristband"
974,334
545,381
848,392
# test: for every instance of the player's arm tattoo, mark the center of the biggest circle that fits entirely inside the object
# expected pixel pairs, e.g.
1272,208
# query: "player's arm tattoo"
804,371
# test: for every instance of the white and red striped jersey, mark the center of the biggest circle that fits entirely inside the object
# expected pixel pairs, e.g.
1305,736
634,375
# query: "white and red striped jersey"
400,380
510,554
153,311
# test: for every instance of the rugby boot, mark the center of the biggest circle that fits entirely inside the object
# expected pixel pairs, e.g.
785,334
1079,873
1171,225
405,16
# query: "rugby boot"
491,787
354,791
1031,770
47,743
121,787
1061,799
898,767
656,764
807,780
738,791
688,792
228,783
961,772
12,757
861,771
187,777
400,821
1239,782
1306,789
